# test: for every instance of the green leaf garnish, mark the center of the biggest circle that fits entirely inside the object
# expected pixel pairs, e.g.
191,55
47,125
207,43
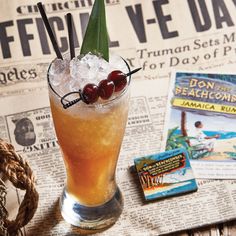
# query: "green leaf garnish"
96,37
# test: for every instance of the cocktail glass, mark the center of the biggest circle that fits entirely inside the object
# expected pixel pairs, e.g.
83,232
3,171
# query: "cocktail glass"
90,137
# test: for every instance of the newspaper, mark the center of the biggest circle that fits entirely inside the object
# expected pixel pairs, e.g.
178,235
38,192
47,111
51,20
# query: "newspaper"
156,35
212,203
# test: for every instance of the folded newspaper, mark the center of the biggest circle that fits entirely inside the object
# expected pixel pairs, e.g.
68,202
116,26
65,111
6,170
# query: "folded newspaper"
153,36
214,202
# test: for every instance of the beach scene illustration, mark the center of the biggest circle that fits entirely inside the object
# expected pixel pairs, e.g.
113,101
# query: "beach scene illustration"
201,116
165,174
214,140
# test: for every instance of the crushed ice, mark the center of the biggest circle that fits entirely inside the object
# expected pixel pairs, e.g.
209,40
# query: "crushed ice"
58,71
78,72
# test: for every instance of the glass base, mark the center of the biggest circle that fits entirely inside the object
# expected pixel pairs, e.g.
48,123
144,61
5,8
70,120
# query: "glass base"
91,218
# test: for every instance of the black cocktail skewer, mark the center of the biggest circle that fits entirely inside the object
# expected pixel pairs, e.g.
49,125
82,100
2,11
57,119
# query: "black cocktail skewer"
133,71
66,104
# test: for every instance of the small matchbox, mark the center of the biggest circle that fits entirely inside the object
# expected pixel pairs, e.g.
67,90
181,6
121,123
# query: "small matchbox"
165,174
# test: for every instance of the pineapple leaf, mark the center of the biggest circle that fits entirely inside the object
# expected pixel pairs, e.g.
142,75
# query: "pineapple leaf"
96,37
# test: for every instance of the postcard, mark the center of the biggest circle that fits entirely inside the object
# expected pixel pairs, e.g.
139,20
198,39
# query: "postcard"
165,174
201,117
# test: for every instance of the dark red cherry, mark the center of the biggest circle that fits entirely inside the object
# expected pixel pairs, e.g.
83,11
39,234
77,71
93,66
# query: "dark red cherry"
90,93
119,79
106,88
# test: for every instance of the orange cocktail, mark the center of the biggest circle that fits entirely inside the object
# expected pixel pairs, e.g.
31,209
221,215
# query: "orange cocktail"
90,120
90,138
89,96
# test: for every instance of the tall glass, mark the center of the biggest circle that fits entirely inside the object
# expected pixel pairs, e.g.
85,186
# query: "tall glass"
90,138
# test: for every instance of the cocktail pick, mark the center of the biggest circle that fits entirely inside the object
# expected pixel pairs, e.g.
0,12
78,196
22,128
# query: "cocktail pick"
70,34
66,104
49,30
86,97
133,71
